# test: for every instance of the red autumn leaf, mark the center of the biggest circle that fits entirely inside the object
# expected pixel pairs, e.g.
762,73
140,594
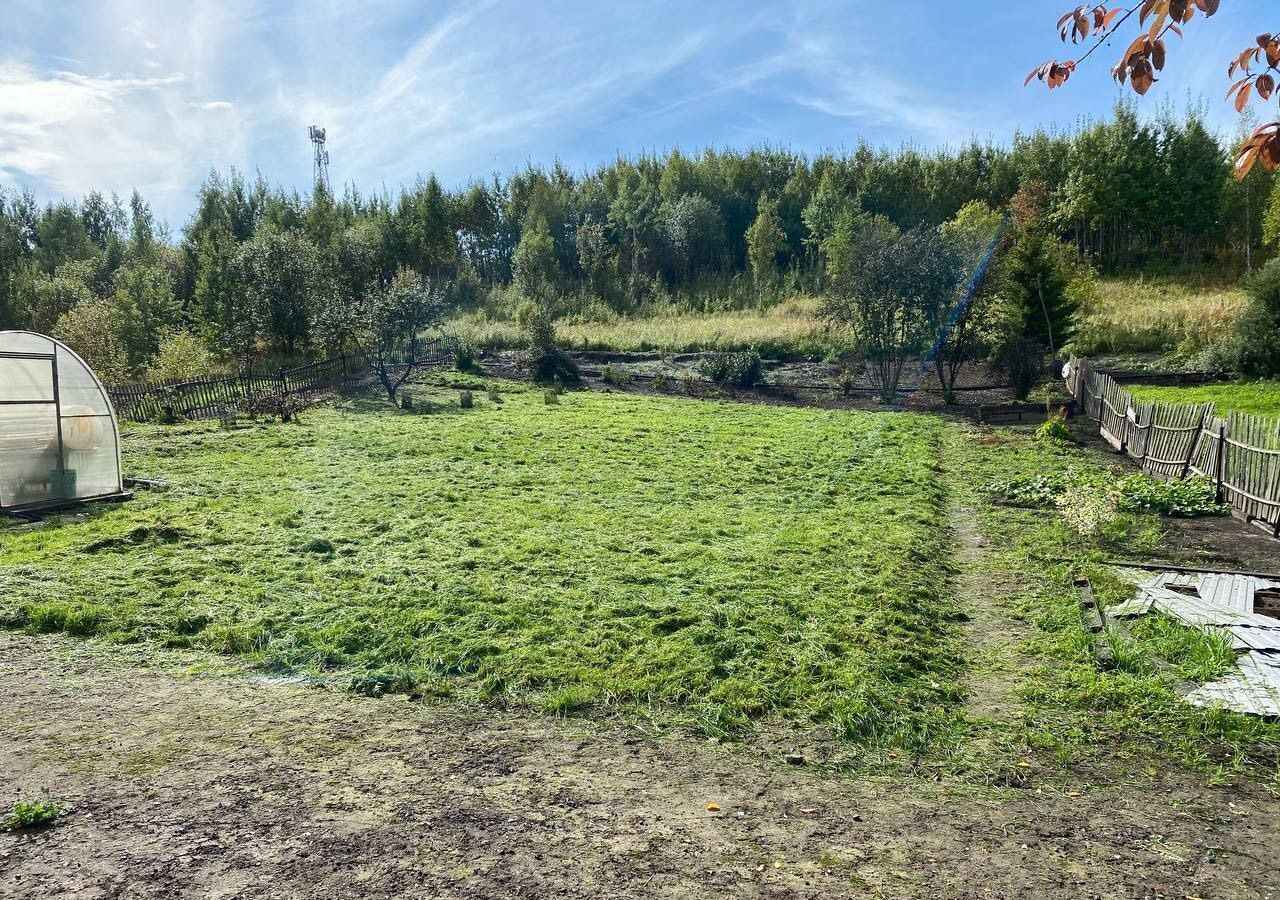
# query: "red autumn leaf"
1242,98
1235,87
1266,86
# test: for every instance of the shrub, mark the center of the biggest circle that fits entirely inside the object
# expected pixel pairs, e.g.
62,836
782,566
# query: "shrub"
1257,331
545,361
284,407
742,369
847,383
615,375
30,813
1054,431
1022,361
661,381
464,356
465,400
182,357
494,396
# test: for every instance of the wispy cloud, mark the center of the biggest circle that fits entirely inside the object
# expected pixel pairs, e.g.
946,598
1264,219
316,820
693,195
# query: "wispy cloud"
124,93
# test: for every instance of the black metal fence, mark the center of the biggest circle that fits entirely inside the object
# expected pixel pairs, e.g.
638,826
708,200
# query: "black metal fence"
207,398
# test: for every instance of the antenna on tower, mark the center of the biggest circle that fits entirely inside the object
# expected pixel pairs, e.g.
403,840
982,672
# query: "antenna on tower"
320,168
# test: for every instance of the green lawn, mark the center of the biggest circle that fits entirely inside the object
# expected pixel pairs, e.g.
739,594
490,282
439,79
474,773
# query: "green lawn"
707,563
718,566
1256,398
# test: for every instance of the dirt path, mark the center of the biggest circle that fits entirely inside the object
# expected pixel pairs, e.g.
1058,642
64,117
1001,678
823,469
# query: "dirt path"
226,786
992,633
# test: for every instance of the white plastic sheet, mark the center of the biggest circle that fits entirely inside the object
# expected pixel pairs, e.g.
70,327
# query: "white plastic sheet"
47,393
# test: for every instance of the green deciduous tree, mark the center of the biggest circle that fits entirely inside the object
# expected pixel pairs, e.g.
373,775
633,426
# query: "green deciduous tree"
384,324
766,241
281,274
91,330
894,298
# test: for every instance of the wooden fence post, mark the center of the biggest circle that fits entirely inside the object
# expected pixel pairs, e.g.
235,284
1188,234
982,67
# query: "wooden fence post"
1195,443
1222,451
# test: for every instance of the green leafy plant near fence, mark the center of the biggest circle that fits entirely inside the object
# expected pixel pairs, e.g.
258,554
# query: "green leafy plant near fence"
1137,493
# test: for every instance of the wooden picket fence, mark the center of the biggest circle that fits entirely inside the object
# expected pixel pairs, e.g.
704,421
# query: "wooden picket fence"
208,398
1240,454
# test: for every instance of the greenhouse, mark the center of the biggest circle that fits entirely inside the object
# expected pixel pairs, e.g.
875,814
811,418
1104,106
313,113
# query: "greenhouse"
59,441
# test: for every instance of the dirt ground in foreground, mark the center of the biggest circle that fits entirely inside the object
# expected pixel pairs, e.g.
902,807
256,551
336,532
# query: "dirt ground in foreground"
225,785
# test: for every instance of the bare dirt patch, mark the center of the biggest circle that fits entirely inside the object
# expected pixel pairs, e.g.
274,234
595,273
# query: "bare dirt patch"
993,635
217,785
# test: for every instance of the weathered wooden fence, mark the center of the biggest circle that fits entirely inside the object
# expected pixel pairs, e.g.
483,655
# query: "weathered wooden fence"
206,398
1240,454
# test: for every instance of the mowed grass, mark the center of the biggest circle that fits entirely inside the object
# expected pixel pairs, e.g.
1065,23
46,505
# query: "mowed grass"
705,563
1155,315
1261,398
789,330
1072,708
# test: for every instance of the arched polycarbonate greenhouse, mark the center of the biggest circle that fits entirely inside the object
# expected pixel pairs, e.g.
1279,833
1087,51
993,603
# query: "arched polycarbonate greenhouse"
59,440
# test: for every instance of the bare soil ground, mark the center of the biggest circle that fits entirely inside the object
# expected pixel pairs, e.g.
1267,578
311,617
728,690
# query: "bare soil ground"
222,785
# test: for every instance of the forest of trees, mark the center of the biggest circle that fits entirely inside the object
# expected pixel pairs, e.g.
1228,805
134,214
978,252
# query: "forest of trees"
255,270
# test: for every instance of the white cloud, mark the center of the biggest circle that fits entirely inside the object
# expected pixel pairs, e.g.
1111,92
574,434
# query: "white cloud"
73,133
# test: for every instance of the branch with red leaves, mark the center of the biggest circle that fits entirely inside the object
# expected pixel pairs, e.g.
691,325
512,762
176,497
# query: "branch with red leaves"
1146,56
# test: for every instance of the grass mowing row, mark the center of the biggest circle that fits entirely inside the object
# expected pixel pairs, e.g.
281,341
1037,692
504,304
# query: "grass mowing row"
706,563
1073,709
1260,398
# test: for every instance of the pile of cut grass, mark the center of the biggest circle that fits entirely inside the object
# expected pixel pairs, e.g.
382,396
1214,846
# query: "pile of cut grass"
704,563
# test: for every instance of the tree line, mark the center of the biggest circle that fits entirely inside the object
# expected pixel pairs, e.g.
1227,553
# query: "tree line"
258,271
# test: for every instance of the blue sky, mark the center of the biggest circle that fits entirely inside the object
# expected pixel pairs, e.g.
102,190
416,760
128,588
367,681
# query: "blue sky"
114,94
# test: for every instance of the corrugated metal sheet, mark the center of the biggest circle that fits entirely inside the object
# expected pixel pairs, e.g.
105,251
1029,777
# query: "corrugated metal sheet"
1226,603
1197,611
1232,591
1249,638
1254,689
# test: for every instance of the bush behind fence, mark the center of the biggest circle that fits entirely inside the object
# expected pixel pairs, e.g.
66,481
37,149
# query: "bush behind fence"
1240,454
207,398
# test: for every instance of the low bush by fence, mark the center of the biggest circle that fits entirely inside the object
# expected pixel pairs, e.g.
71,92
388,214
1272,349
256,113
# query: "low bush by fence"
1240,454
207,398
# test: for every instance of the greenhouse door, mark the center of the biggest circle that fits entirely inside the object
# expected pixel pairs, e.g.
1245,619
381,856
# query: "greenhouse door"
32,463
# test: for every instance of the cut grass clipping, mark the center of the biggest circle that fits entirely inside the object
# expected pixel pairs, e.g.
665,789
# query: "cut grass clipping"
702,563
32,813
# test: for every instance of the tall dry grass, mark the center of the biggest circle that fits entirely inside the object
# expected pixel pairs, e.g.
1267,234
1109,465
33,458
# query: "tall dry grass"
791,329
1145,315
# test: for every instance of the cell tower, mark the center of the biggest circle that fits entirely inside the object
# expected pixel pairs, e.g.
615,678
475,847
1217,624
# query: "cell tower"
321,165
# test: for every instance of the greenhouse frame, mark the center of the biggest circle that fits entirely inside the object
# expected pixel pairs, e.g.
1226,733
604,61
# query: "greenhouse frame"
59,438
